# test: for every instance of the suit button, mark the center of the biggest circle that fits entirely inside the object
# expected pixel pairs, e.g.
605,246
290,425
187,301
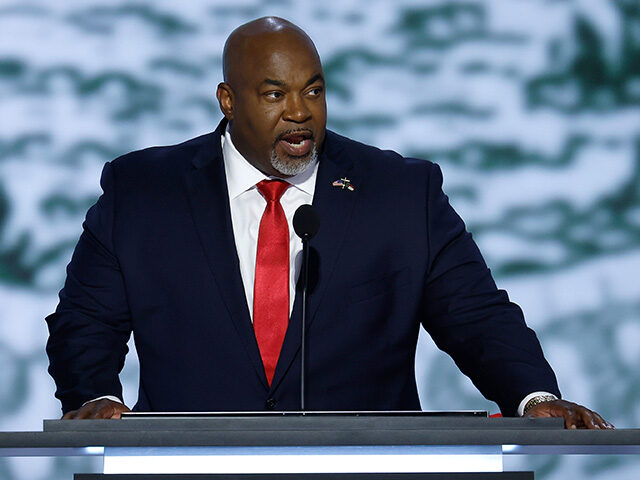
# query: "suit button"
271,403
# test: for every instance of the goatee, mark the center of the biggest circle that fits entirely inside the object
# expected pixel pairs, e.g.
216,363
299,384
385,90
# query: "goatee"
293,166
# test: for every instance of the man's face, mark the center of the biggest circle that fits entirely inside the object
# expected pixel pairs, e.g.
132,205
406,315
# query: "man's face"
278,110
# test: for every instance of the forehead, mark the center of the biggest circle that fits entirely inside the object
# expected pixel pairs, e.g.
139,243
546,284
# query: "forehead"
287,58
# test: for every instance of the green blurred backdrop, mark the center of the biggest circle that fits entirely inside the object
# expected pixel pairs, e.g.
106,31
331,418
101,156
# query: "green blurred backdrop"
531,107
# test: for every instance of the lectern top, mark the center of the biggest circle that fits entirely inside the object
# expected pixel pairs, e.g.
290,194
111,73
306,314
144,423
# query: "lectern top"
388,413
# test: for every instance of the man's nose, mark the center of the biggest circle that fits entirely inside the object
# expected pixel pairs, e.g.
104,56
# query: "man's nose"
296,109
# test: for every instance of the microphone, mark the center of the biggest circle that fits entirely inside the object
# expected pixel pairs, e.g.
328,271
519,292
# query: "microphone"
306,224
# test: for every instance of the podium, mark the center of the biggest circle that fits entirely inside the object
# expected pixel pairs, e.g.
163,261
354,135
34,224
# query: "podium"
312,446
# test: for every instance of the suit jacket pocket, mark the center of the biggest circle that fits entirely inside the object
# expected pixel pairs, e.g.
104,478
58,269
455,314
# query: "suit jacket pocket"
378,286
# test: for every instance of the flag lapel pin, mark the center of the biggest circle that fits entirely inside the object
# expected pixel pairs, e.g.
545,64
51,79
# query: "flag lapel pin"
343,183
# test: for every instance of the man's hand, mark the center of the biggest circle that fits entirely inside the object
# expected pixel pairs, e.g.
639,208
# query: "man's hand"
103,408
575,416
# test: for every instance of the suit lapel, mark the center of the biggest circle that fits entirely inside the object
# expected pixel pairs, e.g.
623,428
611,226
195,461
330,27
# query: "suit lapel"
334,206
209,201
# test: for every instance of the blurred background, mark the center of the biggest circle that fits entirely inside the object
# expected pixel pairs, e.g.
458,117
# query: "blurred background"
531,107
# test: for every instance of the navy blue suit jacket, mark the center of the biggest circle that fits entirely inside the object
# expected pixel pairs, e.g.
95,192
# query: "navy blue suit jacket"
157,258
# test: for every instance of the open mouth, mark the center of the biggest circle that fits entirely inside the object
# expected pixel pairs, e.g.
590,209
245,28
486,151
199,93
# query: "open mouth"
297,144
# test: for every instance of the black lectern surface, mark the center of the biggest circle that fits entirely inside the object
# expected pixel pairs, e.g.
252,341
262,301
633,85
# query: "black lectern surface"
347,413
315,476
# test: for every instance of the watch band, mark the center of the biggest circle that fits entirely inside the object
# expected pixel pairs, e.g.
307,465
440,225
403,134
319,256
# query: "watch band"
537,400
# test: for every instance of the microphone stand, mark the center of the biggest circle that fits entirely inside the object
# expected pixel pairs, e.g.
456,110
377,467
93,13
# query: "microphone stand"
305,224
305,282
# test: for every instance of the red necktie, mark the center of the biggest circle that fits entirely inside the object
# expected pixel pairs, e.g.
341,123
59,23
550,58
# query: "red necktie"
271,287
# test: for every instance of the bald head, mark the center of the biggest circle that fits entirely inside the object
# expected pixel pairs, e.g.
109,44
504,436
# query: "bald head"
245,42
273,96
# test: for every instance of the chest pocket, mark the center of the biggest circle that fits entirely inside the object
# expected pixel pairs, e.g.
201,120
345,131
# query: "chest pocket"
380,286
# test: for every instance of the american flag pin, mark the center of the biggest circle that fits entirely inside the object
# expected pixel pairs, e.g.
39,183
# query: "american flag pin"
344,183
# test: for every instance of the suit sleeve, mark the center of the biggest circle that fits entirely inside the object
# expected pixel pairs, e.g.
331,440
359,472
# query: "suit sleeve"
89,330
473,321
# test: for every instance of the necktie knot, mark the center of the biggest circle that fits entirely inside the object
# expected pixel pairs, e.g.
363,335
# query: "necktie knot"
272,190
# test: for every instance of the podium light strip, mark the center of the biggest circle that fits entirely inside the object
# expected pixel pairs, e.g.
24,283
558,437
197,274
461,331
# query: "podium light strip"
397,459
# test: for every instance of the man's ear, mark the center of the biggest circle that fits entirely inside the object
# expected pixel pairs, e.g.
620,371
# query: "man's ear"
225,99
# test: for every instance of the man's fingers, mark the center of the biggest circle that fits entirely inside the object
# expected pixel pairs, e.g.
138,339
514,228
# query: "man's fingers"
598,420
589,419
106,410
83,412
570,419
112,411
604,423
592,420
575,416
118,409
100,409
101,412
601,422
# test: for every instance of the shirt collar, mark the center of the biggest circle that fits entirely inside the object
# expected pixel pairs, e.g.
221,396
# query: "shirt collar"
242,176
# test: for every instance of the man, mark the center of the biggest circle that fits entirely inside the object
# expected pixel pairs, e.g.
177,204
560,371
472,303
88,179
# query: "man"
191,248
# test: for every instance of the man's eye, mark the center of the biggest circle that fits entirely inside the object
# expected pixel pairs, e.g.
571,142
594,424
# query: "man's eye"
273,95
315,91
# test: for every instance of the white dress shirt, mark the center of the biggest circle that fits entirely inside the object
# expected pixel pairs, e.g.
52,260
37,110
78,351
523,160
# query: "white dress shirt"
247,206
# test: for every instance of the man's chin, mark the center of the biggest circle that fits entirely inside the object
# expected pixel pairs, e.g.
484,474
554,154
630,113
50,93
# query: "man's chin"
289,165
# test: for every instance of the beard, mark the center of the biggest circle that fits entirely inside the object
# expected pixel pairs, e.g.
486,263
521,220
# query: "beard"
291,166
